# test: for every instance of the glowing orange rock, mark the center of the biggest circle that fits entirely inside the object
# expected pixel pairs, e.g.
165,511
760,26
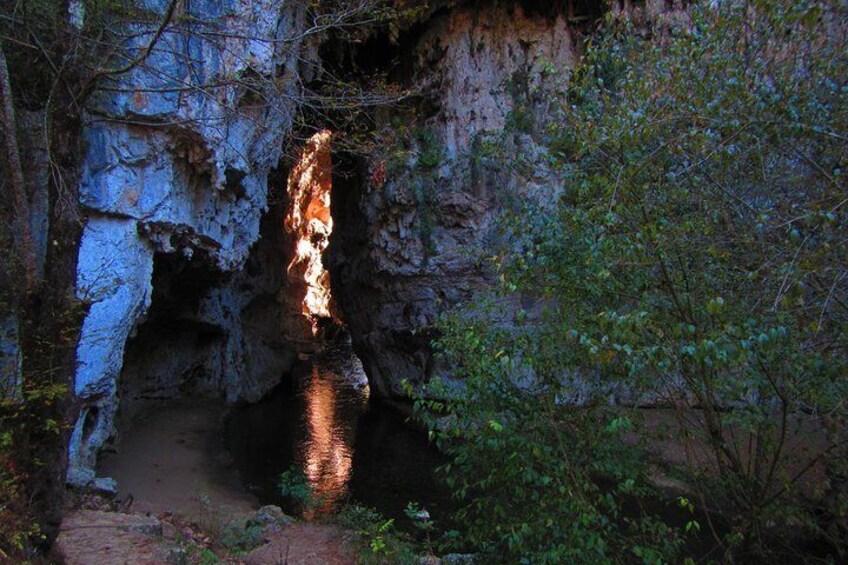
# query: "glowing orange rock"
309,220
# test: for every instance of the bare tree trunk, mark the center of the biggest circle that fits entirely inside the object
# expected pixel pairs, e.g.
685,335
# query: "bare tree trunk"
20,202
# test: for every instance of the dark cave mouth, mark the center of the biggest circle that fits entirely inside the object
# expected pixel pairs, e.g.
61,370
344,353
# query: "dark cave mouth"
179,348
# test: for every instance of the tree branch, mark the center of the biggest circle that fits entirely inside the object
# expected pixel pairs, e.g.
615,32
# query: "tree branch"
20,202
157,35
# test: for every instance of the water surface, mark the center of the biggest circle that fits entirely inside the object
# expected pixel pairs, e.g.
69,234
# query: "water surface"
350,447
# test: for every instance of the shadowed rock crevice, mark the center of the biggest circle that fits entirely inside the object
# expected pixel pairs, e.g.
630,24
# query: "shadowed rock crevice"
181,167
212,333
169,354
416,219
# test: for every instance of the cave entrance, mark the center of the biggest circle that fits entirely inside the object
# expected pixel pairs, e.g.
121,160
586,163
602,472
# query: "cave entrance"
309,222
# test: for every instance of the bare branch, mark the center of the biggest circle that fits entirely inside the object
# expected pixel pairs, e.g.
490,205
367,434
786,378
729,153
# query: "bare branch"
157,35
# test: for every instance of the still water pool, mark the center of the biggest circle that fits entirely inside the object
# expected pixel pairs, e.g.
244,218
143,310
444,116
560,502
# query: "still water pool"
350,447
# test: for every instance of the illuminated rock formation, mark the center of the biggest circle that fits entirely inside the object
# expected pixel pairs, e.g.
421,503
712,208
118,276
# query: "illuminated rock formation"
309,222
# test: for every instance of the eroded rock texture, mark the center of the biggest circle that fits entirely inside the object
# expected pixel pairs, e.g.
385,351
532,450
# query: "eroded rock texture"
411,229
174,182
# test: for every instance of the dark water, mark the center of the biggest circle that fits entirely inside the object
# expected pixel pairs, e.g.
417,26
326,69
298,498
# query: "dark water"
349,447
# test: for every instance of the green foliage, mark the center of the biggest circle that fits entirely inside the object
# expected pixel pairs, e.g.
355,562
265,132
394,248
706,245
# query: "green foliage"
539,483
431,153
704,234
30,423
191,553
240,537
380,542
208,557
423,523
519,119
294,485
426,198
16,528
696,261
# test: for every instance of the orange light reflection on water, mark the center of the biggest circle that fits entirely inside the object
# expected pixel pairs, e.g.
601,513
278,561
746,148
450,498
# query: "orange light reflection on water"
328,449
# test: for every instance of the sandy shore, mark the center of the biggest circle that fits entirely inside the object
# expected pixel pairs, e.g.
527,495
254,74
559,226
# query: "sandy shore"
174,461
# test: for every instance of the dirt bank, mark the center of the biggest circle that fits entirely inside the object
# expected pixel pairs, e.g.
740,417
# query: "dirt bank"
174,461
178,501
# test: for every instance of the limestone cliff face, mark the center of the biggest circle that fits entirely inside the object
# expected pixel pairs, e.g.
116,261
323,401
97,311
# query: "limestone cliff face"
187,298
411,229
174,183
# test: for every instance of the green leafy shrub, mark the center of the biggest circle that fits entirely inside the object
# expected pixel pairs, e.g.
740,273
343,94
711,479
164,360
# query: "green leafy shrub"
538,482
241,537
17,530
294,485
380,542
208,557
697,262
431,152
520,120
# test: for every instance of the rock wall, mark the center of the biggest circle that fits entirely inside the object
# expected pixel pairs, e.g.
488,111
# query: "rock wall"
413,224
174,183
